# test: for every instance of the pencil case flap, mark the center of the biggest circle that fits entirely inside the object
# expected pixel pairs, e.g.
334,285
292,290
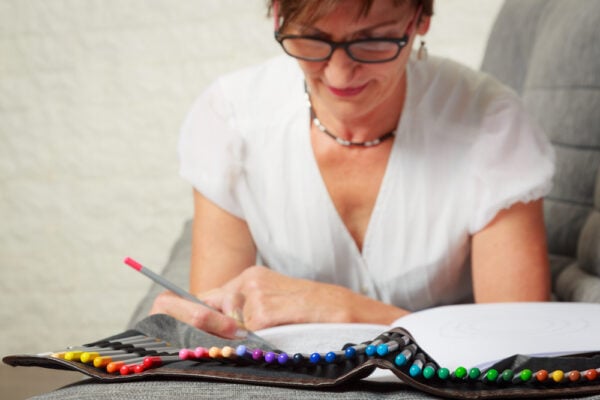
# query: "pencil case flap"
179,335
323,375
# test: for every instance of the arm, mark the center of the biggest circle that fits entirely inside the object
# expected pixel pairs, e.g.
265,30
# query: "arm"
222,246
509,256
221,249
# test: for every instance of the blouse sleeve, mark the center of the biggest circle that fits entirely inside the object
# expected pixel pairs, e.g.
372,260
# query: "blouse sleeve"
210,150
512,161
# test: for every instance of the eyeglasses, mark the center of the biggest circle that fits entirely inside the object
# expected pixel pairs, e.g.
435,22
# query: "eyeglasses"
310,48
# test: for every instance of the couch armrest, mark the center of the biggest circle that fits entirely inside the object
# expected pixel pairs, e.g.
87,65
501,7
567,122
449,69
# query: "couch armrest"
580,281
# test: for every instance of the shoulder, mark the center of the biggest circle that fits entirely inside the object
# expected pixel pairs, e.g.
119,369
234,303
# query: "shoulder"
467,104
251,96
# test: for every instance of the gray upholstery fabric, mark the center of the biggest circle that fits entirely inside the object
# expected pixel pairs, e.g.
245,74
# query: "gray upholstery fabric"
577,285
185,389
562,89
580,281
588,253
511,42
189,389
548,51
549,55
589,245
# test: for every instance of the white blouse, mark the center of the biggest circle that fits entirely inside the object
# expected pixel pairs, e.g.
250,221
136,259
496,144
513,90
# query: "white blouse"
464,150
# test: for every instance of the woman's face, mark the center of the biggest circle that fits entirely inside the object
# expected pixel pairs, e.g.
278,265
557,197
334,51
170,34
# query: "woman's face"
349,89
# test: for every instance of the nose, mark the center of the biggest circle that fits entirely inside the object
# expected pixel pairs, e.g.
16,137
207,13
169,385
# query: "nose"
340,68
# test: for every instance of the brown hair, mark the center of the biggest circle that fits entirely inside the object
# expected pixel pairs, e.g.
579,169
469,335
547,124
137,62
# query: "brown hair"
308,11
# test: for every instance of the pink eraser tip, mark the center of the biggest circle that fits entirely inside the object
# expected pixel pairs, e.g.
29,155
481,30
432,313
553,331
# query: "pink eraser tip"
133,264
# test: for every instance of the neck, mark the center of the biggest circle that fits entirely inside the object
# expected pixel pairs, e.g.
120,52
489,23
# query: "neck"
365,129
345,142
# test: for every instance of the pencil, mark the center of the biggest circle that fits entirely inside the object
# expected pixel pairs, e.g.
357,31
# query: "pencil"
164,282
180,292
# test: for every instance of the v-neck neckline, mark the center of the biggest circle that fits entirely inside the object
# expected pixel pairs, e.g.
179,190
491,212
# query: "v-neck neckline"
380,201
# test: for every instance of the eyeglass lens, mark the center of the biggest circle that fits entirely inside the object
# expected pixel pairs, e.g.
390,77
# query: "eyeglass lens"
317,50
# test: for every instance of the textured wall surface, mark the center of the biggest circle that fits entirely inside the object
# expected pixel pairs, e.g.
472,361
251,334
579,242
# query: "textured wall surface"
92,94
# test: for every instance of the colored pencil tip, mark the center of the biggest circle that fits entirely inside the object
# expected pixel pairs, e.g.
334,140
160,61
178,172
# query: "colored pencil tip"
133,264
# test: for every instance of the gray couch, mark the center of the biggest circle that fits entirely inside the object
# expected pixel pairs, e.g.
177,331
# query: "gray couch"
549,52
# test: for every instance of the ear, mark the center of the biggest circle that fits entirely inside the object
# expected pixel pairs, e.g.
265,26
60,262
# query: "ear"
276,20
423,26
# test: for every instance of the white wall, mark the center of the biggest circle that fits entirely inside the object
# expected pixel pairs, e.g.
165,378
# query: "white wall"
92,94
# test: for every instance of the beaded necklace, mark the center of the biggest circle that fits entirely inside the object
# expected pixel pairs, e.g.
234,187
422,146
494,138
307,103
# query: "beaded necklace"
339,140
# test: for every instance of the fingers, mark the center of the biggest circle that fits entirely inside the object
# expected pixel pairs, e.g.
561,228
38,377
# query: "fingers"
230,304
265,295
196,315
255,299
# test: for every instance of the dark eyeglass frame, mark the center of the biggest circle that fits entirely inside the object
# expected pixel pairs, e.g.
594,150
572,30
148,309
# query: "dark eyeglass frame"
400,42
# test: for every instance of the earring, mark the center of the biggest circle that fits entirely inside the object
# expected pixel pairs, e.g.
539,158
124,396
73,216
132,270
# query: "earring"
422,52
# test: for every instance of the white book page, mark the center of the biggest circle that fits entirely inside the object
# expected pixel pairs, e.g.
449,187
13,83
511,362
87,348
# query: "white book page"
480,334
463,335
319,337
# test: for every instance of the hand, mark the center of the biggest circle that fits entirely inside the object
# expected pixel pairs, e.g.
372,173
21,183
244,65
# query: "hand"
226,324
271,299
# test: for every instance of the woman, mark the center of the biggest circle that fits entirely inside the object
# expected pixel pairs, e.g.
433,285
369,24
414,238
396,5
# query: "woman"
350,181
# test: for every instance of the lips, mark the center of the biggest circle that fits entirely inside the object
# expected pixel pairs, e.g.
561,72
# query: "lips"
347,91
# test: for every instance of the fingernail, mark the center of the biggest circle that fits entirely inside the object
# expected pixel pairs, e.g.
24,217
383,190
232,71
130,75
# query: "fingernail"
241,333
238,316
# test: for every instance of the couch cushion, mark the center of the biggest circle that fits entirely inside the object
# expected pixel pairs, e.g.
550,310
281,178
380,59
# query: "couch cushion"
580,281
574,284
588,251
